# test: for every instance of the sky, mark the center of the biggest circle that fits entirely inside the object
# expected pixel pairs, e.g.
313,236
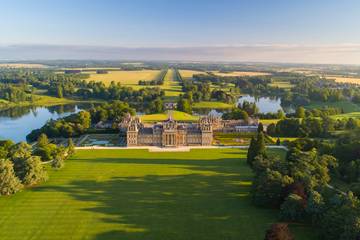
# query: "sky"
321,31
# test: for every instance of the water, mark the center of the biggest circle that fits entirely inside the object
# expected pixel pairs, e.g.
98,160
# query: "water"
265,104
16,123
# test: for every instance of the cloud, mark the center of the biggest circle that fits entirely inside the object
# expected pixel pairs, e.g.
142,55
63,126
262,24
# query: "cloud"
284,53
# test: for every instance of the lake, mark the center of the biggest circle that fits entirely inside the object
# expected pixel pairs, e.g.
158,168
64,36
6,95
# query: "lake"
265,104
16,123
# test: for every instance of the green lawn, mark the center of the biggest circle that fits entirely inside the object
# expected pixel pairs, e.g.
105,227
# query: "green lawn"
171,86
345,105
216,105
176,115
134,194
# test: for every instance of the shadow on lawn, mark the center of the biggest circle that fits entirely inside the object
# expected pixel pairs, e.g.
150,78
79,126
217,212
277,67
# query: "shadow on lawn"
194,206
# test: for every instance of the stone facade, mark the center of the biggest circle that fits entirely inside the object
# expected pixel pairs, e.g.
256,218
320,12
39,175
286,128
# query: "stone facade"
166,134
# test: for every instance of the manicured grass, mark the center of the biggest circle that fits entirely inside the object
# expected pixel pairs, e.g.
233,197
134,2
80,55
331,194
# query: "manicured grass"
171,86
239,73
216,105
345,105
188,74
126,78
176,115
134,194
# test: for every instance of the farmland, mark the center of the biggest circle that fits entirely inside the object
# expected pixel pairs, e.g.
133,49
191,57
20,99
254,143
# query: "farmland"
342,79
126,78
188,74
239,73
134,194
22,65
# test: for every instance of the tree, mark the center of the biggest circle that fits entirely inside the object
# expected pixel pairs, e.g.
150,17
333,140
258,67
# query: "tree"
260,128
293,208
58,162
268,188
260,144
70,147
34,171
278,142
59,92
9,183
280,114
43,140
300,112
251,154
279,231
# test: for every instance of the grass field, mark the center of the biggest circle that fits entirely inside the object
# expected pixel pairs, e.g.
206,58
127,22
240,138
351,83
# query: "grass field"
176,115
347,115
171,86
216,105
238,73
38,100
188,74
347,106
126,78
342,79
134,194
282,84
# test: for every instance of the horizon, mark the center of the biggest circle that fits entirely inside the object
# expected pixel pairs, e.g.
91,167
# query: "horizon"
231,31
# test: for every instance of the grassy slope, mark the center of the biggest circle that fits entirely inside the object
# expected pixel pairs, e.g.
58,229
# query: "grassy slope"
39,100
176,115
345,105
134,194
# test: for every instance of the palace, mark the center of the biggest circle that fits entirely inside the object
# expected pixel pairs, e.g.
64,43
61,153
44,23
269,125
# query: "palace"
166,134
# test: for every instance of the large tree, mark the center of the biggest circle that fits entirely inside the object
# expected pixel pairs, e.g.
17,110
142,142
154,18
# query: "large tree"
9,183
34,171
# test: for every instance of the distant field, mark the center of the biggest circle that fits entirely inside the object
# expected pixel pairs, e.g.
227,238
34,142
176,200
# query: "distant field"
341,79
126,78
347,115
176,115
345,105
171,86
188,74
238,73
282,84
216,105
135,194
22,65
